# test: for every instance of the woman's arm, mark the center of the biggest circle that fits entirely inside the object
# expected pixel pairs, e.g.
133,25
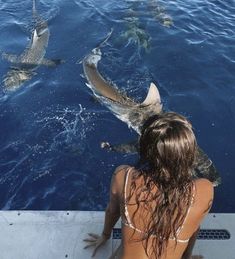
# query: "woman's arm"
112,214
205,193
111,218
188,251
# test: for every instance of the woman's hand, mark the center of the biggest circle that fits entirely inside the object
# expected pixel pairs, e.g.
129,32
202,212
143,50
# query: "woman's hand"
95,241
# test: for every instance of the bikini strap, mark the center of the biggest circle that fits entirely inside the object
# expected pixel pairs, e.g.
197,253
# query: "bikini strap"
189,208
126,182
127,216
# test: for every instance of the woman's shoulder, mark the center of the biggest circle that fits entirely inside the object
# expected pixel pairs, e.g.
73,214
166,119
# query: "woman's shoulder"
121,169
204,186
204,194
119,176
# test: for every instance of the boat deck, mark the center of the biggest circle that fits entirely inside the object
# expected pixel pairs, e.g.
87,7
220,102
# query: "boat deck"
60,234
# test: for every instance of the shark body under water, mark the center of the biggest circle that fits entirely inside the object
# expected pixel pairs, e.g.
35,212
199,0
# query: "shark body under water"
24,66
135,114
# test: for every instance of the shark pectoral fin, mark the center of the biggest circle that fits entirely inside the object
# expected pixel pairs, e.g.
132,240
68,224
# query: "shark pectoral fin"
153,95
128,148
52,62
10,57
89,86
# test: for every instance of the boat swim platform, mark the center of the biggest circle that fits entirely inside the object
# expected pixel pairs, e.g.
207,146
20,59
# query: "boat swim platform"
60,234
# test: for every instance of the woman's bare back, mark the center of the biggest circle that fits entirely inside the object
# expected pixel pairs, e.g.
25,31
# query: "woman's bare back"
202,200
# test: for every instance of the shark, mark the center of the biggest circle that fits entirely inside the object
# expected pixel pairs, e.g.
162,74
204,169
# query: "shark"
133,113
159,13
134,33
24,66
125,108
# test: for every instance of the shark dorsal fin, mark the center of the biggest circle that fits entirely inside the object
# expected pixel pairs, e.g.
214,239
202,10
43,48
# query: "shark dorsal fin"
153,95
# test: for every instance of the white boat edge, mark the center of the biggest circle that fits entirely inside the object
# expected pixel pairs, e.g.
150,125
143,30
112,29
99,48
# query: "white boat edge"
60,234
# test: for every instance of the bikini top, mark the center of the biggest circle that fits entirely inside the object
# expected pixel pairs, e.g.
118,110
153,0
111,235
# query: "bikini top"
127,221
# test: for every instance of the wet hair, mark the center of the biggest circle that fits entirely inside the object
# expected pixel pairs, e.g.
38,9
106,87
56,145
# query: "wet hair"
167,149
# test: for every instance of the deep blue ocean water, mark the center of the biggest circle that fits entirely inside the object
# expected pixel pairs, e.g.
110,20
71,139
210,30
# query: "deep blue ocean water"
51,128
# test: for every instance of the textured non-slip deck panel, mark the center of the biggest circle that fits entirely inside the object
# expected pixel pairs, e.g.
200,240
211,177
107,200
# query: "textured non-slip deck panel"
204,234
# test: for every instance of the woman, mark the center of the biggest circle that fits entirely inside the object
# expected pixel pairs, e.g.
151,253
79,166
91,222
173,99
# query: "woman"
160,204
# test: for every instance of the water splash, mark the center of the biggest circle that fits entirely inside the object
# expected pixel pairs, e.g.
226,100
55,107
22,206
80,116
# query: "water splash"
68,128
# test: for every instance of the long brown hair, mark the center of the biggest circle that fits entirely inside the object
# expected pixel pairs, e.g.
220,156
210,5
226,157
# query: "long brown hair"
167,149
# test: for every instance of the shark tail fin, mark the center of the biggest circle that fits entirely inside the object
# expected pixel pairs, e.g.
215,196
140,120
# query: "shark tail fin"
95,57
106,39
153,96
